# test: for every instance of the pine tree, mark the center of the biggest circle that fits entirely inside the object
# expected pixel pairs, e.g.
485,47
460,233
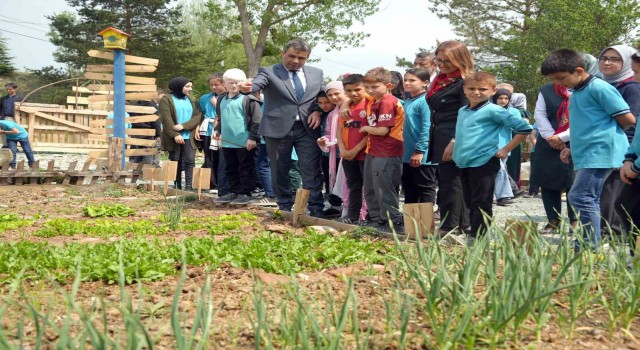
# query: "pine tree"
6,64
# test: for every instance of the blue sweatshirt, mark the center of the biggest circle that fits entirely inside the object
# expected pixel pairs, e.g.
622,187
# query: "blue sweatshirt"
478,133
417,121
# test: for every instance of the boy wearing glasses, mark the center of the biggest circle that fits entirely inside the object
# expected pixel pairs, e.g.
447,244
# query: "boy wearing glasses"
598,116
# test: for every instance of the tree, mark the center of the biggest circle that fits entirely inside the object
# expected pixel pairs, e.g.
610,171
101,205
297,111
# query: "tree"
154,26
6,64
263,27
512,37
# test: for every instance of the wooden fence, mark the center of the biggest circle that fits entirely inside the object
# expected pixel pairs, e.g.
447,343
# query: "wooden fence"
56,128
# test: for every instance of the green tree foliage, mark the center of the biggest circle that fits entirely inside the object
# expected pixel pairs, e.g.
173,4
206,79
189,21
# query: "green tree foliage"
154,26
261,28
512,37
6,64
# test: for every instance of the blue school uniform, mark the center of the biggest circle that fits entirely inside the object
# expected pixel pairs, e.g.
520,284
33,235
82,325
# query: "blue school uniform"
417,122
234,128
506,134
478,133
7,125
208,110
597,141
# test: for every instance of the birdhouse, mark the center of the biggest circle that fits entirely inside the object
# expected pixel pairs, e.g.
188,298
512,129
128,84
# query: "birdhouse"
114,38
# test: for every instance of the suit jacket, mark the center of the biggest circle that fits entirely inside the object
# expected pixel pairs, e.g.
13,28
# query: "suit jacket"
444,106
280,103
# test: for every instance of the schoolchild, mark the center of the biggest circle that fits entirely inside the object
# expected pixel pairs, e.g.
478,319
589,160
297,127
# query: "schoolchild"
208,106
352,145
14,134
237,131
477,150
615,66
504,190
628,204
383,163
325,107
418,175
598,116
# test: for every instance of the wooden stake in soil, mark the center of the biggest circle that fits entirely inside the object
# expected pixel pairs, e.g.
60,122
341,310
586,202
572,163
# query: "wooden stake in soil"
300,205
418,216
521,233
201,180
169,174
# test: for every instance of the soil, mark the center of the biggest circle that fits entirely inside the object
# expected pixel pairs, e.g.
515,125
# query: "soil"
232,288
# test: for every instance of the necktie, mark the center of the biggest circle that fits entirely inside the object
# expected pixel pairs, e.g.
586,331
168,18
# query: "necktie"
297,84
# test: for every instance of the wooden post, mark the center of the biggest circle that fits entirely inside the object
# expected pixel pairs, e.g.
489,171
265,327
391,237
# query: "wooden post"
418,216
300,205
521,233
201,180
170,169
115,154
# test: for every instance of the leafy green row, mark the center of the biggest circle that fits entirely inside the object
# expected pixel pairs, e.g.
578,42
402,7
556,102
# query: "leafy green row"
103,228
107,210
12,221
146,260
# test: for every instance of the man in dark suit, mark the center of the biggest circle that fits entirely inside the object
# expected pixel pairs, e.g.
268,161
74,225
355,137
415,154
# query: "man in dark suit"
290,120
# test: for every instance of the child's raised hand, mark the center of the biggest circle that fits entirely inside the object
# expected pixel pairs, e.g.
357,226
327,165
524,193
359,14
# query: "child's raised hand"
502,154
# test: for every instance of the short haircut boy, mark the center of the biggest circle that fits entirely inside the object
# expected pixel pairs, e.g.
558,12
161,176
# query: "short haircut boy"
353,79
481,78
378,75
563,60
321,93
11,85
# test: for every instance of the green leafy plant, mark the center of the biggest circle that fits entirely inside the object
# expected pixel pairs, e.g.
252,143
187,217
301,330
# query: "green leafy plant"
107,210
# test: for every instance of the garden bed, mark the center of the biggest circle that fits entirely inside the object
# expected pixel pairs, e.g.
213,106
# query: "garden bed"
114,267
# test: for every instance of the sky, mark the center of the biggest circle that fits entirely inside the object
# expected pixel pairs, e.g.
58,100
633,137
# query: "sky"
399,28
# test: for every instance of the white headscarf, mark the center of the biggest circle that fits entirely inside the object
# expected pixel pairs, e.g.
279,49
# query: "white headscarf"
625,53
518,100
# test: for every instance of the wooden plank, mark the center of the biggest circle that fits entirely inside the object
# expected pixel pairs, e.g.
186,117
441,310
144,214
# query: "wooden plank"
57,128
85,90
32,125
140,142
107,55
130,132
128,97
62,121
170,171
131,120
128,69
65,111
128,88
130,79
201,179
128,153
77,100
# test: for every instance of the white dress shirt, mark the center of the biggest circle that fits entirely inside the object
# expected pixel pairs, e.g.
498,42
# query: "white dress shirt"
544,126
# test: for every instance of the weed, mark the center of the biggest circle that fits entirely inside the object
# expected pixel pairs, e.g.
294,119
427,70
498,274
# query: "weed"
114,190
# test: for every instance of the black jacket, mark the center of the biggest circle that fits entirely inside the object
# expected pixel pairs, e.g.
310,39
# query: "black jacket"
444,106
2,101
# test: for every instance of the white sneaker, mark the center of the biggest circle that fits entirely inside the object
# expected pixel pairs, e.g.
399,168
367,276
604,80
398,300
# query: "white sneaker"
213,191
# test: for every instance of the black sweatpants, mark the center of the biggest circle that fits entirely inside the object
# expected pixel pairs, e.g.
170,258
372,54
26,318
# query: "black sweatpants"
354,172
240,170
453,210
478,184
419,183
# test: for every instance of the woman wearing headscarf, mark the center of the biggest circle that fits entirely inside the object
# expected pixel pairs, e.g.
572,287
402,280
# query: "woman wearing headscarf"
180,116
445,97
615,66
